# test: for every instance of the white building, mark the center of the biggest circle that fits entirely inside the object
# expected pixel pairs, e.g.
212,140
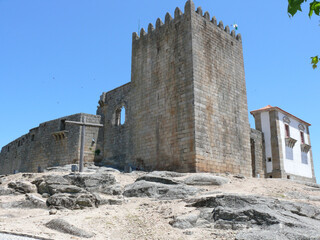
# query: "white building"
287,144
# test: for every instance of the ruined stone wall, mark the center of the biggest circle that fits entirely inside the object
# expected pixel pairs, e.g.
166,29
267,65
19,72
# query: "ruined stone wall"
258,153
116,136
162,111
93,142
52,143
221,113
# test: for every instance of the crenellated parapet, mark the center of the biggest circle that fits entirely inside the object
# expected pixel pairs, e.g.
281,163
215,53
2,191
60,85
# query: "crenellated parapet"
178,15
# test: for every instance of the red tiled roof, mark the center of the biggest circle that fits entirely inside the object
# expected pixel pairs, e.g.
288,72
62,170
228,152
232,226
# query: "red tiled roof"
269,108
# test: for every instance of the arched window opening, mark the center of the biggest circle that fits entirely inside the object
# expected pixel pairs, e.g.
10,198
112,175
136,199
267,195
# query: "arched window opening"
123,116
120,116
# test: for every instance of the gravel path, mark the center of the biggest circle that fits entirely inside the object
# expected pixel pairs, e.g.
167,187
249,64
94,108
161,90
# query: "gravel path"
4,236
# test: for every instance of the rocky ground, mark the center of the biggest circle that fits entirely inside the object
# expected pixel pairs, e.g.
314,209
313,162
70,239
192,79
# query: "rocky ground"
103,203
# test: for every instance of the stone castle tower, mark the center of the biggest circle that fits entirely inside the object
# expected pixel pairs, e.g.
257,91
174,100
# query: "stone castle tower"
186,108
186,104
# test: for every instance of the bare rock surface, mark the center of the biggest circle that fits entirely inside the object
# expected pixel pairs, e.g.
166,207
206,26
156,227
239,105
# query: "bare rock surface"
36,201
22,187
76,191
115,189
167,174
157,179
205,179
30,202
159,205
6,191
144,188
65,227
285,220
72,201
279,233
91,182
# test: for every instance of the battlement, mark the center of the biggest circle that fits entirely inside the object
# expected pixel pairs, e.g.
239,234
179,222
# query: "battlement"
178,16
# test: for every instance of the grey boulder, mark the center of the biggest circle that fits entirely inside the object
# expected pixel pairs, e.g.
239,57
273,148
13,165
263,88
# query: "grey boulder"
63,226
23,187
51,184
53,189
77,183
115,189
91,182
185,221
73,201
56,184
36,201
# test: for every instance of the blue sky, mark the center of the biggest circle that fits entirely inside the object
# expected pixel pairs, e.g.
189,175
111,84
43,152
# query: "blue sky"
57,57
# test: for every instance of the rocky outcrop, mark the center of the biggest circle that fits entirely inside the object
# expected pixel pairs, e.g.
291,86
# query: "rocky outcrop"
115,189
94,182
76,191
72,201
236,212
36,201
209,210
159,190
22,187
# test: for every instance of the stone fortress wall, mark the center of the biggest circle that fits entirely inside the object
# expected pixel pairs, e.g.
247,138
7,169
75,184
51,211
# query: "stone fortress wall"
186,104
116,135
220,98
53,143
186,108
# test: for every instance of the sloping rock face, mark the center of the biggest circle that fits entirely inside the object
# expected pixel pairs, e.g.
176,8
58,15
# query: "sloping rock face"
167,174
205,179
157,179
6,191
260,218
157,190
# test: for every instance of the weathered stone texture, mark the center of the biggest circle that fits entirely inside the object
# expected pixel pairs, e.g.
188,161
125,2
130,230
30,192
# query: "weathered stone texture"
162,111
222,131
51,144
186,104
116,136
257,153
